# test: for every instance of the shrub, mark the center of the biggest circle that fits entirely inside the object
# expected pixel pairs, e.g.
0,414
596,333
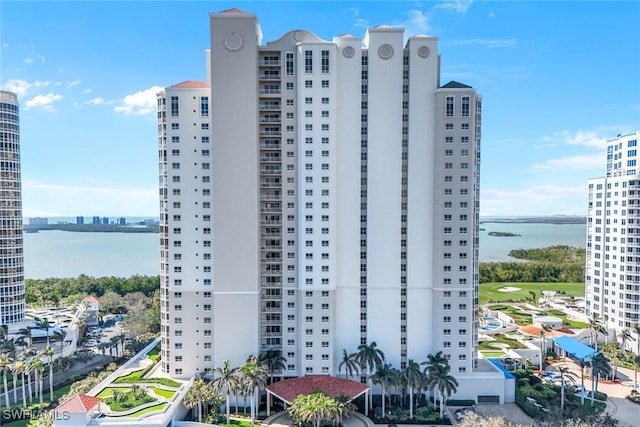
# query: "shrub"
461,402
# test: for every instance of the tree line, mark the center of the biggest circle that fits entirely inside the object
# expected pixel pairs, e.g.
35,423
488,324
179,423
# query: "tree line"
72,290
553,264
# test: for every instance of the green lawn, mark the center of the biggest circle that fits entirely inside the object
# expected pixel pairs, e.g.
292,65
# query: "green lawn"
489,291
108,391
149,409
162,392
492,353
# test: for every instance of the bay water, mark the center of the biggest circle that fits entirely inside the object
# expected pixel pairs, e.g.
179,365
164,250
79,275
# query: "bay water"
68,254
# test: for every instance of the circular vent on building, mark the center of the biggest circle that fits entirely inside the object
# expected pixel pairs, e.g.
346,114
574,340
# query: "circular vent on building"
348,52
233,42
385,51
424,51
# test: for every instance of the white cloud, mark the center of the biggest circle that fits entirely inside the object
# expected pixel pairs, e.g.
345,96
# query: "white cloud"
41,58
5,45
488,43
358,22
584,138
535,200
95,101
28,60
43,199
416,23
581,161
459,6
74,83
21,87
43,101
140,103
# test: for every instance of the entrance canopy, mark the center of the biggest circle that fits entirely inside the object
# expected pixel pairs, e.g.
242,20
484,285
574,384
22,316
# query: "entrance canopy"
288,390
575,348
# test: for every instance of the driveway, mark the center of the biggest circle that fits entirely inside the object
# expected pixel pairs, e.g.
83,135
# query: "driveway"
624,410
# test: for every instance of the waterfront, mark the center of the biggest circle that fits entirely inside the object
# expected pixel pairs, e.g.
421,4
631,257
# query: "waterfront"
69,254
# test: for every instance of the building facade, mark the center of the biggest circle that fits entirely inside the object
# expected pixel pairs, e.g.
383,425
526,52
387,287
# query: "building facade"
12,292
319,195
612,274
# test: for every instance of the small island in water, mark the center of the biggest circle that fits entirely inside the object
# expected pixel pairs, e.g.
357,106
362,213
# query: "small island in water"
503,234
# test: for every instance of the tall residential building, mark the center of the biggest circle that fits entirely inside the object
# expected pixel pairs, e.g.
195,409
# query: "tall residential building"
318,195
613,237
12,293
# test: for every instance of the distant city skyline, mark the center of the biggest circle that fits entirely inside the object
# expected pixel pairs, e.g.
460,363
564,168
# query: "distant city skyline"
557,77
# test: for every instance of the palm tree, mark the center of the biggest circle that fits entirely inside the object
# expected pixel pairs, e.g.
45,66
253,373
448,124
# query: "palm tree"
27,355
20,367
543,333
583,364
226,379
49,352
445,383
636,363
274,362
382,376
313,408
595,327
349,363
432,363
196,395
564,373
414,378
624,336
44,325
368,357
26,333
600,367
61,335
5,366
255,375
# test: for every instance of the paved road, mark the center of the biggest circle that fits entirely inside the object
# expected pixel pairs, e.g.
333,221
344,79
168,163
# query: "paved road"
627,412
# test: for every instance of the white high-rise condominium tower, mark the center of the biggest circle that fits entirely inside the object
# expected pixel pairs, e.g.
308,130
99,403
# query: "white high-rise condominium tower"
320,195
12,302
613,237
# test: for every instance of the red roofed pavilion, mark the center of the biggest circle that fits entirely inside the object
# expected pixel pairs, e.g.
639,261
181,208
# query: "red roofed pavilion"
78,403
288,390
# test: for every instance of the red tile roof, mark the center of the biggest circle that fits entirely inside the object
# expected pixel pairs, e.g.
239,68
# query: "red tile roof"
190,84
91,298
78,404
288,390
234,10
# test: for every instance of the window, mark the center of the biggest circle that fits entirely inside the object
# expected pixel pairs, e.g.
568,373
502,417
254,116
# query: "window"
175,110
449,110
204,106
325,62
289,63
325,84
325,100
289,87
464,110
308,100
308,61
308,83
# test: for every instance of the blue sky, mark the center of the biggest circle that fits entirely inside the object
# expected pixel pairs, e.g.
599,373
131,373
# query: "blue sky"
558,80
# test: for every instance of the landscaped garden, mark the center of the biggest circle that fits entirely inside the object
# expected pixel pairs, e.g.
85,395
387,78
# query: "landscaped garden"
494,291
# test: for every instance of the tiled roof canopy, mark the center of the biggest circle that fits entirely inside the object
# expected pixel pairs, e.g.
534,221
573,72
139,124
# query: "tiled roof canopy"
78,404
190,84
288,390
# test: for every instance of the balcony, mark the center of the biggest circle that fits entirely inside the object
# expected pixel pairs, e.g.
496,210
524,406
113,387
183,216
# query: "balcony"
269,76
269,61
270,273
270,106
270,145
269,184
271,210
270,91
270,197
271,132
270,119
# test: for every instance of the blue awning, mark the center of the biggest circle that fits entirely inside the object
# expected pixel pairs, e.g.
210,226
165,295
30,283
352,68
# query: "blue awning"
575,348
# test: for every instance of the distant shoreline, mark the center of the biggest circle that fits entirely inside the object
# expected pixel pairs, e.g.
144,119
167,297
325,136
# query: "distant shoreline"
91,228
537,220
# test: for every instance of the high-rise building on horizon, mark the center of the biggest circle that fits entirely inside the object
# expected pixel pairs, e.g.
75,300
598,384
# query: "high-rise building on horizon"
12,291
318,195
612,275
